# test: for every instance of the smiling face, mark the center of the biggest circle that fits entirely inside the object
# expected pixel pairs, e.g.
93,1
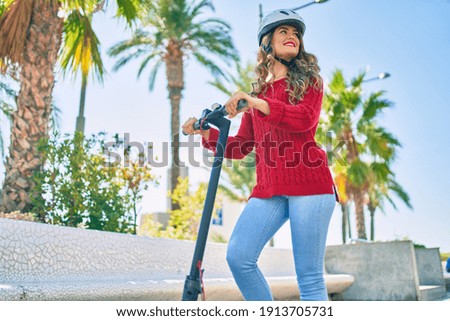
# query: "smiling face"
286,42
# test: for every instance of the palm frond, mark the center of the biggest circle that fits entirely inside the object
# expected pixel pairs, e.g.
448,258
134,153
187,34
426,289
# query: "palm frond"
129,9
55,117
196,9
213,39
139,38
391,201
357,81
81,49
358,172
146,61
14,23
141,44
400,192
209,64
153,74
378,141
381,171
4,4
240,81
337,83
220,86
374,105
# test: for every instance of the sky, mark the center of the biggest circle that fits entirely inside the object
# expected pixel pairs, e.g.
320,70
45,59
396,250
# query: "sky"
410,39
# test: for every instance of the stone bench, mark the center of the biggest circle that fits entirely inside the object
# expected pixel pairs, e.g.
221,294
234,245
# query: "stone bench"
45,262
387,271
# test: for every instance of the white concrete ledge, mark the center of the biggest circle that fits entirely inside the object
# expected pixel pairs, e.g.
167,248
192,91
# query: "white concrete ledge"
45,262
283,288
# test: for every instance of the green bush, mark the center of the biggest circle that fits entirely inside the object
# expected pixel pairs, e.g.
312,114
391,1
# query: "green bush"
79,187
183,222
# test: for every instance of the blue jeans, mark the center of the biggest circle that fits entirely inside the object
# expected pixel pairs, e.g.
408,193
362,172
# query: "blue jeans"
309,218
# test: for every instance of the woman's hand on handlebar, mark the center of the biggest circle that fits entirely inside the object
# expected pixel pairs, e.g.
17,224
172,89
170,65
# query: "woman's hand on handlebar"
231,104
188,128
252,102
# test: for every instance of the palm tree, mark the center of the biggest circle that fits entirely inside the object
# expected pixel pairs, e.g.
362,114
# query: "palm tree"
8,96
171,33
382,147
353,120
381,183
340,103
31,34
81,52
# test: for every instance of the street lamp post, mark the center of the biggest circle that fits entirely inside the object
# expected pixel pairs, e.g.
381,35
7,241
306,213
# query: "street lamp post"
294,9
383,75
308,4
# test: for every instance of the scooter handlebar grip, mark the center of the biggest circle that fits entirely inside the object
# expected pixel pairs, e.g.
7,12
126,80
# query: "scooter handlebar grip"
242,103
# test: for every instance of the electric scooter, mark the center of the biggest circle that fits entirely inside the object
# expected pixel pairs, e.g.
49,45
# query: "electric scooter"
193,286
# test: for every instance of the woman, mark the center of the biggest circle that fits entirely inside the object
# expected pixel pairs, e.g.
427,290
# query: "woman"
293,179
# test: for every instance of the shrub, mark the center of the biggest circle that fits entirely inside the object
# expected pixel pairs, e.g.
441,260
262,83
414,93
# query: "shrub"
79,187
184,222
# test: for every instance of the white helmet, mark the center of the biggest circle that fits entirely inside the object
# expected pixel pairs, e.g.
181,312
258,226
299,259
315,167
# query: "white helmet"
278,18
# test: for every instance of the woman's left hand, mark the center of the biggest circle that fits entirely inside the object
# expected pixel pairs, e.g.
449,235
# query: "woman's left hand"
252,102
231,104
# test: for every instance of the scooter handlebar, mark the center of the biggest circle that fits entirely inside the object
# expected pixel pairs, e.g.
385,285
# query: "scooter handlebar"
220,111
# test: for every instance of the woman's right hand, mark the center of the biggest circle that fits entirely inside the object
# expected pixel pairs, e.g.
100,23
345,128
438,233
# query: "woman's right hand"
188,128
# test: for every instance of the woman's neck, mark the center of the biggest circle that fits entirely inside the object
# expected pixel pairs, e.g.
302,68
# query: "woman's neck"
279,70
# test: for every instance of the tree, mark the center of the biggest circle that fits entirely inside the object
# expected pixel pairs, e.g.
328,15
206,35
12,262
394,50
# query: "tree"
30,36
8,97
171,33
353,120
81,52
382,147
381,184
185,219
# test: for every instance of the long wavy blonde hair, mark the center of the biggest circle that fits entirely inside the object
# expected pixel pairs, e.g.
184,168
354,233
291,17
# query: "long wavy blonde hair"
305,73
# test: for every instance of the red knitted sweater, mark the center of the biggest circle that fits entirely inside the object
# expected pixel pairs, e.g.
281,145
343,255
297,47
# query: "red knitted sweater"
288,160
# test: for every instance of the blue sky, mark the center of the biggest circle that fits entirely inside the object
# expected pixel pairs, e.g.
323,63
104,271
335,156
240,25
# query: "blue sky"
408,38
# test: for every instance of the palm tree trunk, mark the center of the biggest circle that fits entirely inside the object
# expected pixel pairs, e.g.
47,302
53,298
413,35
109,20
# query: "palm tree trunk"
359,209
80,119
372,223
349,226
358,195
31,120
344,222
175,79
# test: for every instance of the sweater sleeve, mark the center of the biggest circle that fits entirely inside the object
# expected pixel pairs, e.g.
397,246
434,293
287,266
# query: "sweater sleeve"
238,146
300,117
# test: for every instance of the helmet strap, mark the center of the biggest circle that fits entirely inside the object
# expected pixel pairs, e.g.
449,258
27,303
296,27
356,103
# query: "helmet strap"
288,64
268,49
